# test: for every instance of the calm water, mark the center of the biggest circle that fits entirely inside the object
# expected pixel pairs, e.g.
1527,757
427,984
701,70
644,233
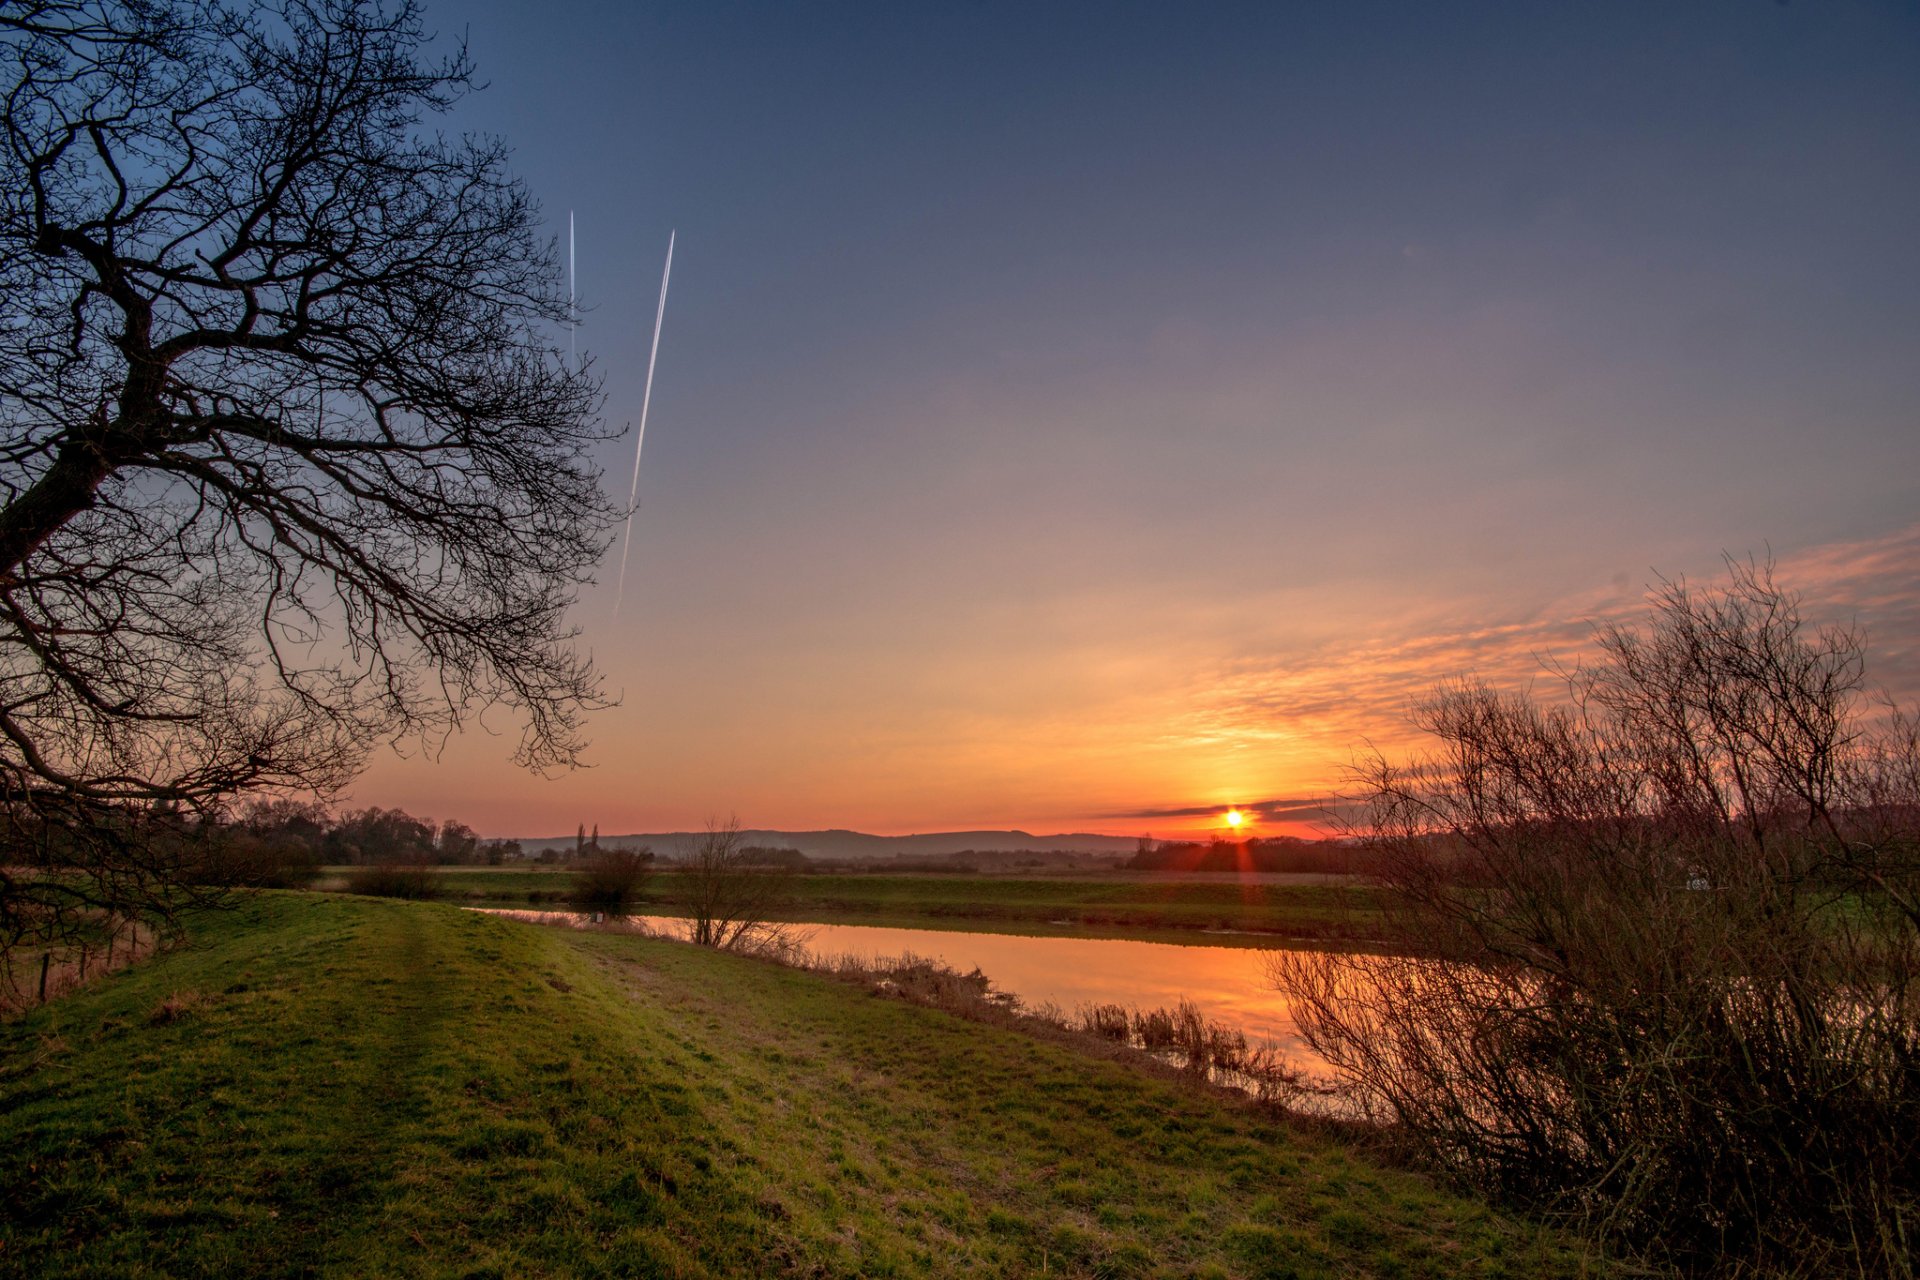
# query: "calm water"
1228,984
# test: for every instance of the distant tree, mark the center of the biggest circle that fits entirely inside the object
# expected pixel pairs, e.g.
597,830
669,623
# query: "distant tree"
496,852
1271,854
380,836
1656,947
456,843
732,901
289,461
294,823
275,841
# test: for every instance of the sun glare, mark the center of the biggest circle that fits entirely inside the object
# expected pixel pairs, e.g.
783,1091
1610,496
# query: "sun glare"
1236,819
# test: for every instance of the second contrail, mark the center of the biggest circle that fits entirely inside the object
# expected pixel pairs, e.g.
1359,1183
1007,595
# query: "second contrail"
640,440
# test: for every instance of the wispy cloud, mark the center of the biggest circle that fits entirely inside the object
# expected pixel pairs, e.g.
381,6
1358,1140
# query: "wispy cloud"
1289,807
1335,701
1298,813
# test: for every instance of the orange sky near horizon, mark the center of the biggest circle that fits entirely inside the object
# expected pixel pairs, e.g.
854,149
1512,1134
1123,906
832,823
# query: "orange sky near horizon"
1077,418
1129,733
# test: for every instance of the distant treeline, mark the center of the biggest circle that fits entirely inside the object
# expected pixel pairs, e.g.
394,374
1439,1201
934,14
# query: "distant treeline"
295,834
1277,853
281,841
272,841
268,842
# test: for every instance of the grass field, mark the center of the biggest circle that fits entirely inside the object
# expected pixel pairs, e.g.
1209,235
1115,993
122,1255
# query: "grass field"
333,1086
1225,911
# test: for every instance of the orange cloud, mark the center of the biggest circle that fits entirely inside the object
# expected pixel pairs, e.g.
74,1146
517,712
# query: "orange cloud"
1317,708
1116,714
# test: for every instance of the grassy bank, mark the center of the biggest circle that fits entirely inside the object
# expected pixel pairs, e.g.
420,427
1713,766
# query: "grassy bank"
1224,911
341,1087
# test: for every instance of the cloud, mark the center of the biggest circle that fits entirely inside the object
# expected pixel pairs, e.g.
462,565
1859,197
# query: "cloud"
1339,700
1262,808
1319,811
1368,688
1874,583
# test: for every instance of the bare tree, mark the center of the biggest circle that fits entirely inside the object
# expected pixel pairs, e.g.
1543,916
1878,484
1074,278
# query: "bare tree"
290,464
1660,967
731,897
611,880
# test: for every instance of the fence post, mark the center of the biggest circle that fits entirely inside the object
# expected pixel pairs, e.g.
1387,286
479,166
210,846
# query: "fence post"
46,958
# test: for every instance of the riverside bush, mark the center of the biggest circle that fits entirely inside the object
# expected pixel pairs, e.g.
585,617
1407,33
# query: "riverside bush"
1659,944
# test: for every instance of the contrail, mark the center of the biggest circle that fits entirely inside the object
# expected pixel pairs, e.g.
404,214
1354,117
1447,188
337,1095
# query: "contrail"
573,322
640,441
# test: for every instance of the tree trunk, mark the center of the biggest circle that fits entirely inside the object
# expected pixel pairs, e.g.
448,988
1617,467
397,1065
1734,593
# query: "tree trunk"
65,490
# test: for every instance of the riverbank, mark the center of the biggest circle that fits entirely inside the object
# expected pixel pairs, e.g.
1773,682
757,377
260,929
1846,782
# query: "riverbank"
1258,911
337,1086
1050,977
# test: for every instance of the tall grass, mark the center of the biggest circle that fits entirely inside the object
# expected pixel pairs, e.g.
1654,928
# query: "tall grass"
1183,1037
34,976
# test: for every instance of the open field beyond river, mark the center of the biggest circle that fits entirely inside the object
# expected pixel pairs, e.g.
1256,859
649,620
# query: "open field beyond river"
1220,910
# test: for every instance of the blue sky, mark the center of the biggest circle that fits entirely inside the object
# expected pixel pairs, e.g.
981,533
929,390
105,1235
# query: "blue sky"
1033,371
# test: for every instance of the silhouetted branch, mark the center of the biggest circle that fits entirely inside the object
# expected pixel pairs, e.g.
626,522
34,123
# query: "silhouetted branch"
288,463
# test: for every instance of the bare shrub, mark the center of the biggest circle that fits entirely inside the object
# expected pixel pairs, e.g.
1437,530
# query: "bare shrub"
611,881
731,897
239,859
1661,942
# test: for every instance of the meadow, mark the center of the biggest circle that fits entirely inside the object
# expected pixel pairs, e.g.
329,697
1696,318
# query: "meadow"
328,1085
1219,911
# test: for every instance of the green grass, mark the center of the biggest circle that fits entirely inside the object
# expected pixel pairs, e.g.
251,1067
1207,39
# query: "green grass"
1217,912
333,1086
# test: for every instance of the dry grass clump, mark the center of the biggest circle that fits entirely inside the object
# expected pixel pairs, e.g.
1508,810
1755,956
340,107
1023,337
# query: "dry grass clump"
1200,1045
394,880
1108,1021
178,1007
921,980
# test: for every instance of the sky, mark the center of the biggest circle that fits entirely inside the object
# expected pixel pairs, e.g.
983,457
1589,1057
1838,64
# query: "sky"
1086,417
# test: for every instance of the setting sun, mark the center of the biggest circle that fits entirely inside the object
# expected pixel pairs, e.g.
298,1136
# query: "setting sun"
1236,819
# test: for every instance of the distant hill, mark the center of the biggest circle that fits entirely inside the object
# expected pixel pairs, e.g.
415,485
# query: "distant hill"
859,845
